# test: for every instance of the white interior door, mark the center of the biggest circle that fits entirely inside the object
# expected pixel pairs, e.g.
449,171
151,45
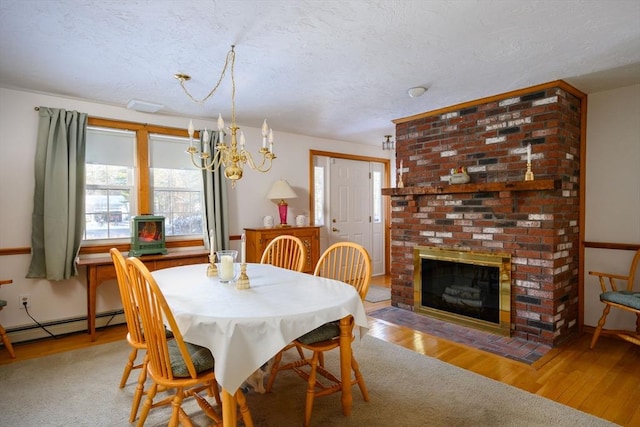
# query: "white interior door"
348,205
350,217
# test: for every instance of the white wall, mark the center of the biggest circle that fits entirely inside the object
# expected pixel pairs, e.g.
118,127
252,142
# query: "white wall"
612,193
612,202
52,301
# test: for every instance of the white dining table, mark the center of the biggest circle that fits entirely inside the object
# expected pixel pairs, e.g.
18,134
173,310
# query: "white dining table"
245,328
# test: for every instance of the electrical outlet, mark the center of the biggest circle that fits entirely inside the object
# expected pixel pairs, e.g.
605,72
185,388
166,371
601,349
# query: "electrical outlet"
23,299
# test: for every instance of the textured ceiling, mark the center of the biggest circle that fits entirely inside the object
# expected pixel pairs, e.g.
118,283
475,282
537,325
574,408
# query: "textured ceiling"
332,69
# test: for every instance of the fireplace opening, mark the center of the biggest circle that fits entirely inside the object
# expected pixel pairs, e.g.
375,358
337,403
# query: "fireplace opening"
464,287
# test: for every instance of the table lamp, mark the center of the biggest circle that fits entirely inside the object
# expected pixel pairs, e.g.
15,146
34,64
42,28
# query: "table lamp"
281,190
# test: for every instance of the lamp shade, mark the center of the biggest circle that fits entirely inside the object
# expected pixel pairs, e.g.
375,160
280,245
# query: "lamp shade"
281,190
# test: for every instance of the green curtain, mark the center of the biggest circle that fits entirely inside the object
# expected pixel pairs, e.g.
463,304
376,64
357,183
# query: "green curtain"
58,201
215,200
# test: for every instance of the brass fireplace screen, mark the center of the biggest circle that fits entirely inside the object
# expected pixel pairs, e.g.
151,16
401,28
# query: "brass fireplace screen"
465,287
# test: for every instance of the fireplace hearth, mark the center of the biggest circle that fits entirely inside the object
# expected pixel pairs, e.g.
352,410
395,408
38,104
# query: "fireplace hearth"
469,288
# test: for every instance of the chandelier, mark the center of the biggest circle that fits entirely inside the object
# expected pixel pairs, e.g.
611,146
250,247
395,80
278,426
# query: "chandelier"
232,157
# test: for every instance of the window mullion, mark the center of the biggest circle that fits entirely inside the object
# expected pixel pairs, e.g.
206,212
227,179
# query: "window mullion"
142,172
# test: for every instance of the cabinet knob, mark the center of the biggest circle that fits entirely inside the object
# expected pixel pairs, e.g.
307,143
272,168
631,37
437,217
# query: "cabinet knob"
334,229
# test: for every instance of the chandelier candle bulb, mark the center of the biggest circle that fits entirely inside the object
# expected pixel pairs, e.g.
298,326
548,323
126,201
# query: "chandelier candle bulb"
265,133
190,131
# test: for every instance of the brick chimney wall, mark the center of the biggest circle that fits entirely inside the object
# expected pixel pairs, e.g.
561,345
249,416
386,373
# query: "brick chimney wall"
540,228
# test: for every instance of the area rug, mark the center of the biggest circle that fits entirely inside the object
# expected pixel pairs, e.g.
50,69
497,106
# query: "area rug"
80,388
378,294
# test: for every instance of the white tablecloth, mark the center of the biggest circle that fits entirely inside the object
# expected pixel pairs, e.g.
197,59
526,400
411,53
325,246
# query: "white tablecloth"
245,328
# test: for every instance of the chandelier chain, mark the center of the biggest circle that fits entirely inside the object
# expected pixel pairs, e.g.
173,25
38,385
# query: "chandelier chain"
230,59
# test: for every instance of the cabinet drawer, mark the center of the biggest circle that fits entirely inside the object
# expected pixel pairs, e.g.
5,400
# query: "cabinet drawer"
176,262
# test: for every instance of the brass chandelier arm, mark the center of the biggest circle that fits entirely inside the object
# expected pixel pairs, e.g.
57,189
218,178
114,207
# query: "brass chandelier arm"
266,155
212,166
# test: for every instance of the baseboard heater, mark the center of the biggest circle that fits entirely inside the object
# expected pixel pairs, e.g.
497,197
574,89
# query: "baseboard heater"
63,327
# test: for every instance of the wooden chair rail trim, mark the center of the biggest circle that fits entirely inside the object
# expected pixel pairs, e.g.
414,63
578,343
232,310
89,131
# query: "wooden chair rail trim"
104,249
608,245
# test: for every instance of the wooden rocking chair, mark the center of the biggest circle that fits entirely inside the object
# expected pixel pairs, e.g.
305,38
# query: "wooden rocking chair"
624,298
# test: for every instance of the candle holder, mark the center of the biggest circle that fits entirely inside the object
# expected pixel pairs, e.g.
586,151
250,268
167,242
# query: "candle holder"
212,269
243,279
400,183
528,176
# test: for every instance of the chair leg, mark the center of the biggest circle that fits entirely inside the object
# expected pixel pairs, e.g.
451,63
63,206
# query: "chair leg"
128,367
205,406
311,388
7,342
274,371
214,391
176,405
596,333
244,409
147,404
359,379
137,397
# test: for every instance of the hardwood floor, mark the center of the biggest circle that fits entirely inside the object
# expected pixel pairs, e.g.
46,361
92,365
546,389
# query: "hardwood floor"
604,382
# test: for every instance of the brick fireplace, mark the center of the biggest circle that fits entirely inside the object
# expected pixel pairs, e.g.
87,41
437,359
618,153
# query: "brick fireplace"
535,222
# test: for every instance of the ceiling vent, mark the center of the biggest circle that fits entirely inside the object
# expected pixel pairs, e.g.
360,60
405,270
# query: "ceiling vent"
143,106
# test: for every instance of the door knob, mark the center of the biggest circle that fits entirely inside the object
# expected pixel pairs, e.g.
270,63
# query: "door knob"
334,229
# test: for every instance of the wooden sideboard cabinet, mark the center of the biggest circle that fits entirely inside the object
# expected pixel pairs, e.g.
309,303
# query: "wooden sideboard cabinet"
100,269
259,238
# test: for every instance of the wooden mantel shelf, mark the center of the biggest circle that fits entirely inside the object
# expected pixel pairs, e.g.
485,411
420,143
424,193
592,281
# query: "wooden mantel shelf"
543,184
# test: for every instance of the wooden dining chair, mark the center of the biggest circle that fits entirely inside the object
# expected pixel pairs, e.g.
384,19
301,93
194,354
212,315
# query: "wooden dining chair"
350,263
618,292
173,363
3,334
285,251
135,336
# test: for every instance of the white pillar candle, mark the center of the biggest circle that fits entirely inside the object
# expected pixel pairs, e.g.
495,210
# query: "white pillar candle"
212,244
226,268
243,249
529,153
401,168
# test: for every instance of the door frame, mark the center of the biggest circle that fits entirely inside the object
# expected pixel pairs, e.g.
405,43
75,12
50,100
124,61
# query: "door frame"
385,200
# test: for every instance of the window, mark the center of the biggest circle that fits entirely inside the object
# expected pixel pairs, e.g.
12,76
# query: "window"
134,169
318,196
377,196
110,198
177,186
